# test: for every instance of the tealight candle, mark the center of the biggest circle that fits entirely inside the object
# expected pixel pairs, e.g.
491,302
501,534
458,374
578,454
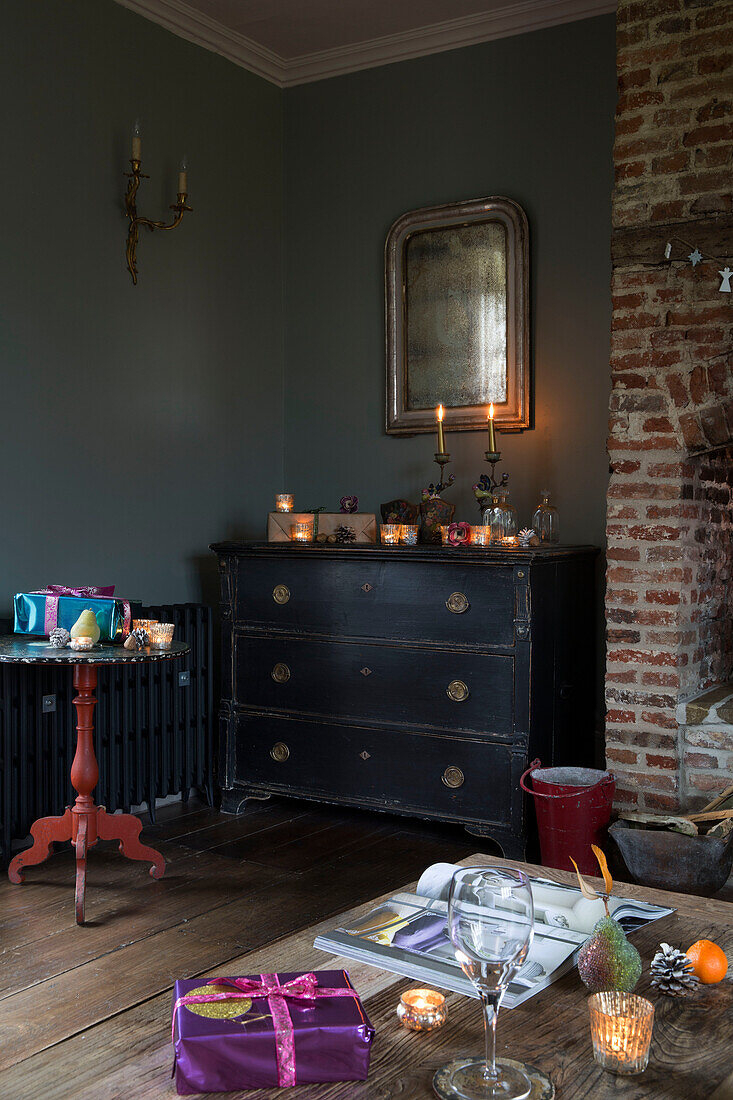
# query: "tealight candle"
284,502
409,533
161,635
444,534
509,541
422,1009
621,1029
81,643
303,531
480,536
390,533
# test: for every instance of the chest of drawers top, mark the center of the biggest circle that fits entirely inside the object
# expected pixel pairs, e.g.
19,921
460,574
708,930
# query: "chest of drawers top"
433,595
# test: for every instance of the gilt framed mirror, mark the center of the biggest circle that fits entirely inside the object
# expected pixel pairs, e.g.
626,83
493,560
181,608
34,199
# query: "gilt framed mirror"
456,317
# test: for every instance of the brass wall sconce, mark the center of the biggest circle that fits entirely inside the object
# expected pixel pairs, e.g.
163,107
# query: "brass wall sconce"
135,176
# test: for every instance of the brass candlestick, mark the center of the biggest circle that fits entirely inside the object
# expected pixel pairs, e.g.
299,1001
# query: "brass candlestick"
135,176
494,458
442,458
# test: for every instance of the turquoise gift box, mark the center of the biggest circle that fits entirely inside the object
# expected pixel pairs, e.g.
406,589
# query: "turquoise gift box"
40,612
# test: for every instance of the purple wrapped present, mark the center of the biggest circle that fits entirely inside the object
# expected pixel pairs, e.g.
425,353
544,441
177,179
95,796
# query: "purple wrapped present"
268,1030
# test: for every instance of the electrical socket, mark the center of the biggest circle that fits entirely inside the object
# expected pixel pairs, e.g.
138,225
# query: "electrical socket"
49,704
184,679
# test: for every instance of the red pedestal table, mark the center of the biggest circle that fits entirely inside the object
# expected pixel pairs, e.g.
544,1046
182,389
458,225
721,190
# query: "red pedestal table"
84,823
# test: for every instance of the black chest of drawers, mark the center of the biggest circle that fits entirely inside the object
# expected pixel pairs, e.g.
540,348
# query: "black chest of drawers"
415,680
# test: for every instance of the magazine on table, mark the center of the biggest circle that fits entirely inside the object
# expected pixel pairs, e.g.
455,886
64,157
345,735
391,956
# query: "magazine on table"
408,934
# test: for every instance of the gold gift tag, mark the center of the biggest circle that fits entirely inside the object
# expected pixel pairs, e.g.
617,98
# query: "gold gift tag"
218,1010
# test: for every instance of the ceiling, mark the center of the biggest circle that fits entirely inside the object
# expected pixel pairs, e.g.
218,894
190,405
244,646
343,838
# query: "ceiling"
297,41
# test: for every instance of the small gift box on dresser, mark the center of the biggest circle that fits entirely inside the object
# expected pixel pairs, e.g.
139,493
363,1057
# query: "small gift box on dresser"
268,1031
363,525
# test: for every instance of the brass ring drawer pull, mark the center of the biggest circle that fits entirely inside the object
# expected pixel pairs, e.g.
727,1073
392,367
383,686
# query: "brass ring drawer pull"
281,593
457,691
280,673
453,777
457,602
280,752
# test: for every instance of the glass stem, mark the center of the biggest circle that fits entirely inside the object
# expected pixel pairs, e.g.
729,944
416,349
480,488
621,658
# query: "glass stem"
490,1004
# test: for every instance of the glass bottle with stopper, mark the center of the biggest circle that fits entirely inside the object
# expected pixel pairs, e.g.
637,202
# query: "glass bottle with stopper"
545,521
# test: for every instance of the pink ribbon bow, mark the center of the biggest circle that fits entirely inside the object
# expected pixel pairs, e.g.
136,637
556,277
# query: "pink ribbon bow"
53,591
303,988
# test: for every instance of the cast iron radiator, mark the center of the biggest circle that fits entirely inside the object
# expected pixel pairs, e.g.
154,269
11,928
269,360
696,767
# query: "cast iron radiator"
153,735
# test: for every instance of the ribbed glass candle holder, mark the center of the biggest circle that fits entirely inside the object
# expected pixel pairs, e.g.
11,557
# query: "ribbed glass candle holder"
480,536
621,1029
303,531
390,533
284,502
409,533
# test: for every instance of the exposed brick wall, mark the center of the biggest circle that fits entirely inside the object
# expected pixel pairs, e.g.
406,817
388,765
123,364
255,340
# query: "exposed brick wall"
672,371
713,489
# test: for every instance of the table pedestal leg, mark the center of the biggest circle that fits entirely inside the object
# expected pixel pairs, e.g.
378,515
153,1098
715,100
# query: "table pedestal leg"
84,823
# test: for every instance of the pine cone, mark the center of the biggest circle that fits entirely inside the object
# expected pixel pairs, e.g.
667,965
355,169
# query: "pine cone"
672,972
142,636
345,534
59,637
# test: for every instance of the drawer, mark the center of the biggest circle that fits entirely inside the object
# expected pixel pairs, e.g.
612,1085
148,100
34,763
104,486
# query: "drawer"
464,692
436,776
462,603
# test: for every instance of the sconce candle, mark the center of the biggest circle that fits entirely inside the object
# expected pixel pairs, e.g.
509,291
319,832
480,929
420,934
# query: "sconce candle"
409,533
621,1029
492,437
136,141
284,502
422,1009
183,176
390,533
441,441
303,531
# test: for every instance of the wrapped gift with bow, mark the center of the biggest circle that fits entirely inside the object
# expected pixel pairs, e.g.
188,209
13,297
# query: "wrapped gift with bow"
57,605
268,1031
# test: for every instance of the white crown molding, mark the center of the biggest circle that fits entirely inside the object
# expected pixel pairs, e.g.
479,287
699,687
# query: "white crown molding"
518,17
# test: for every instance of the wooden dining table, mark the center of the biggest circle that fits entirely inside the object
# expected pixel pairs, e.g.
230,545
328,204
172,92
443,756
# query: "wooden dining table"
692,1045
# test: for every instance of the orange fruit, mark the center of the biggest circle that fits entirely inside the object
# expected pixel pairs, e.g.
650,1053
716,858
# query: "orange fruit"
708,961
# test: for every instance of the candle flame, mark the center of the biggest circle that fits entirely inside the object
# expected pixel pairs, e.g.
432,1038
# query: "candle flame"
440,412
491,411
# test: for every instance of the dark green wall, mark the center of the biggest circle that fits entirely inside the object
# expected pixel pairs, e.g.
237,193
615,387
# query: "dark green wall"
139,423
528,117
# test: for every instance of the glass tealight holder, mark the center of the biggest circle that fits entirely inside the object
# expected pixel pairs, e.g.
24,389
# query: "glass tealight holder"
303,531
409,533
621,1029
284,502
480,536
81,643
390,533
444,534
422,1009
144,624
161,635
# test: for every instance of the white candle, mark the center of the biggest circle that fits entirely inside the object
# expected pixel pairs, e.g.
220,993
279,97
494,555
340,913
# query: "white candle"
183,176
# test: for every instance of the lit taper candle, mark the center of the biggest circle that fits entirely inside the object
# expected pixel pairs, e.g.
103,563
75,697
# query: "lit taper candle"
492,437
136,140
441,440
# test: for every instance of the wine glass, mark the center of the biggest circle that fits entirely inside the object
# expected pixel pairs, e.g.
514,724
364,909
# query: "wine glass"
490,917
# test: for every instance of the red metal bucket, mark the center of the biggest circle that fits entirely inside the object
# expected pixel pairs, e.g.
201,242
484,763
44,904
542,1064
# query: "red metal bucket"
573,810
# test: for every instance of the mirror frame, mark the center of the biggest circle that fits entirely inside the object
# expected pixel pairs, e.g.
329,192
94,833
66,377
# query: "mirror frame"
512,415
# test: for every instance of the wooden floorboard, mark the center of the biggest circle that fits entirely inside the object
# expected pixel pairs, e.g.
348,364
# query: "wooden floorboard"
233,885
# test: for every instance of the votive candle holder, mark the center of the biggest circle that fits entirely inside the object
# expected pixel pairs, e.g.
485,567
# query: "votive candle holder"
161,635
144,624
422,1009
480,536
444,534
409,533
621,1029
303,531
85,642
284,502
390,533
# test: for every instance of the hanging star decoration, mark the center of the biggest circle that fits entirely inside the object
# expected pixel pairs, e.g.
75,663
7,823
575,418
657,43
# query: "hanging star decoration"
697,257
